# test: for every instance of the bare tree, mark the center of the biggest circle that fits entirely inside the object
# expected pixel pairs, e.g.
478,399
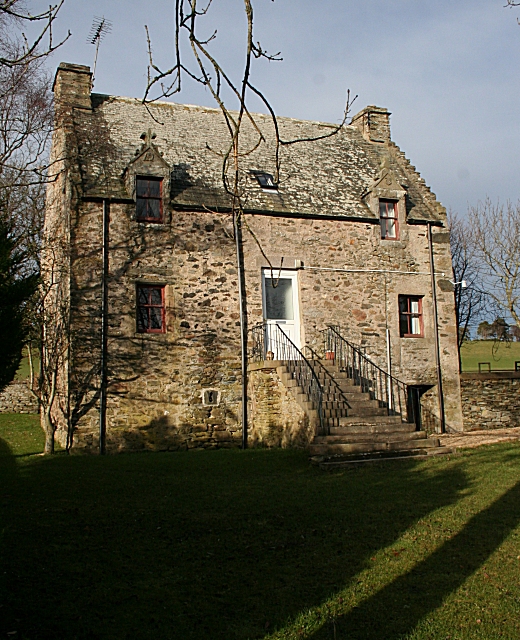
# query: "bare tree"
25,128
496,233
205,69
245,133
26,124
470,301
21,51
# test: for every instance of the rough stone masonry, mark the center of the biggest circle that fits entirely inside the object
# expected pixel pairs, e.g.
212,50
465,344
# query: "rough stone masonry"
173,354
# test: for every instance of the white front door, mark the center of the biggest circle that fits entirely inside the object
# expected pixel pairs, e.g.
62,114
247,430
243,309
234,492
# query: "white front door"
281,309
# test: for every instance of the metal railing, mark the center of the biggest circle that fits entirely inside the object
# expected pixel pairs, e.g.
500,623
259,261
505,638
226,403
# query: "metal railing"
329,379
270,342
391,393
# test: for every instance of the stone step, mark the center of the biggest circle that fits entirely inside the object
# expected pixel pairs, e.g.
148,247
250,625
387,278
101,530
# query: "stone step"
362,412
339,461
335,413
391,427
389,436
367,447
350,388
357,420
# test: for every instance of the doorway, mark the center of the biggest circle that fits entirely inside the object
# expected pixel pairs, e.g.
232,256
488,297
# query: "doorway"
280,307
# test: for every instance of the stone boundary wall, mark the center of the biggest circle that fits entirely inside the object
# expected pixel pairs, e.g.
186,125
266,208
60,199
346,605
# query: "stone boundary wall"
490,400
16,398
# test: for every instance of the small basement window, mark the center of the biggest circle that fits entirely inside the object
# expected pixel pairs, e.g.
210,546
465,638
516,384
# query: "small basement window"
150,309
410,317
265,180
149,204
389,220
210,397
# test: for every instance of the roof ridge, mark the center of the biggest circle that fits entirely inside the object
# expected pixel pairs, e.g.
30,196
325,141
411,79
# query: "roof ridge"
165,103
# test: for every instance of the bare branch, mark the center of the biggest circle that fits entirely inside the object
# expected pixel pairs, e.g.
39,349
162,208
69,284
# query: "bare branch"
36,50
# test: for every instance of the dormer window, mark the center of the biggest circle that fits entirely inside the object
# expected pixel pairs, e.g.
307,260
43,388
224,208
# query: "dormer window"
389,219
265,180
149,204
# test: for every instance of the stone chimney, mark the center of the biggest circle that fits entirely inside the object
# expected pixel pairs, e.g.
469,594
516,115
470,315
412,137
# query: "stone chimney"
374,123
72,86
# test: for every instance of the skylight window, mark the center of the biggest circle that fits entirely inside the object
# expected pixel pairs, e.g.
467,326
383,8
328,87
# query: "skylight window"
265,180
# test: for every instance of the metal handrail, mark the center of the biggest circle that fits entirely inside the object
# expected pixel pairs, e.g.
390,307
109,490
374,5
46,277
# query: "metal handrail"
270,342
392,394
332,381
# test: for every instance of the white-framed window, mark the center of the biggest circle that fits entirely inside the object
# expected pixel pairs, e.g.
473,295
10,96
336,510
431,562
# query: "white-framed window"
389,219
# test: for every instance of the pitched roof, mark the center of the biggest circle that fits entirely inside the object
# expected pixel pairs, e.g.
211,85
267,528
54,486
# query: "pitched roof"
327,177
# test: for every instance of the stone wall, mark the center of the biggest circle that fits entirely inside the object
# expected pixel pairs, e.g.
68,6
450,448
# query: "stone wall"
277,420
347,275
16,398
490,400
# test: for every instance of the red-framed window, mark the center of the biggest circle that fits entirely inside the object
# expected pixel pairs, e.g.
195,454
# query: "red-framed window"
149,204
150,309
389,219
411,317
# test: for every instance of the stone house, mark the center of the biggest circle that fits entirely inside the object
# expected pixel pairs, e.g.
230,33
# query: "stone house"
141,242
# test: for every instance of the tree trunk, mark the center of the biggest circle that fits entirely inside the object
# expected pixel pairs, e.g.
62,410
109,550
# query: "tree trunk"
49,432
48,425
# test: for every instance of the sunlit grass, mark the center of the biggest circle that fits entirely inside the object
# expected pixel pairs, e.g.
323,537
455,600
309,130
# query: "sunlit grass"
500,355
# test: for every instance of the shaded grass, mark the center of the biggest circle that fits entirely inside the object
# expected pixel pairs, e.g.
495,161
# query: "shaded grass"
257,544
500,355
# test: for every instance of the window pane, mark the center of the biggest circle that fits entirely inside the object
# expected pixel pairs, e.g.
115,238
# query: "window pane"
416,326
279,299
141,209
154,188
142,319
155,318
266,180
155,296
154,209
414,306
142,296
142,187
390,228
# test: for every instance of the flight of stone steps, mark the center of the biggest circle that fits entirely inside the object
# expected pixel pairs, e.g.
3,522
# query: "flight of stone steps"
359,428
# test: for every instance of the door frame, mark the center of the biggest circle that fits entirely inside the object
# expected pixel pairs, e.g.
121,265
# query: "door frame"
284,274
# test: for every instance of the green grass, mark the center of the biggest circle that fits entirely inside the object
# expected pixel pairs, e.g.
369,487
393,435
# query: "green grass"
239,545
24,371
500,355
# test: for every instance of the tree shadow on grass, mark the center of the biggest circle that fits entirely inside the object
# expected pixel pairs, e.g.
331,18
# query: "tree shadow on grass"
7,460
222,545
395,610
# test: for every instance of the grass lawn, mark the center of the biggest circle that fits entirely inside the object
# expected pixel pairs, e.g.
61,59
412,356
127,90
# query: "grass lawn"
500,355
257,544
24,370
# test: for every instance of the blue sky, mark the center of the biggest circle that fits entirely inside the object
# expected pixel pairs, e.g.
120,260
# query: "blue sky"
448,71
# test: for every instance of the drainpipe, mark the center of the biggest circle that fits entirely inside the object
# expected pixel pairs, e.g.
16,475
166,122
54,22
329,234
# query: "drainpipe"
436,332
243,324
389,369
104,329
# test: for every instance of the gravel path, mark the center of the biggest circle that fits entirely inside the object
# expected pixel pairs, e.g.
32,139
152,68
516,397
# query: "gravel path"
471,439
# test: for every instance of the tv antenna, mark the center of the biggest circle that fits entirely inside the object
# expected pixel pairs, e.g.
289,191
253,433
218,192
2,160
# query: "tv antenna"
99,29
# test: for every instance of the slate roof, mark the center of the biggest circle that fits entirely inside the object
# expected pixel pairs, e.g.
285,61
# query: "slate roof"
327,177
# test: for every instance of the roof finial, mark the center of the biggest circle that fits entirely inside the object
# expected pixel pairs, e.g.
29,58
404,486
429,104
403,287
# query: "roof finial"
148,136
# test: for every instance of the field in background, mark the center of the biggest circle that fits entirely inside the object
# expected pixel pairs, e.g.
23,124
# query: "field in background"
500,355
